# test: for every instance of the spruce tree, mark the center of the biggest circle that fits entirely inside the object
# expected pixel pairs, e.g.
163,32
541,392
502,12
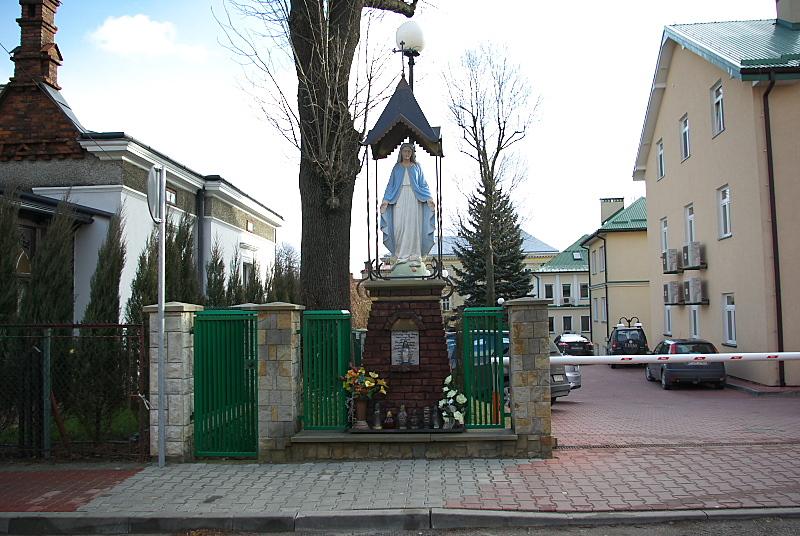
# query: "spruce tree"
50,297
101,366
284,281
181,282
9,253
254,287
501,221
215,277
235,289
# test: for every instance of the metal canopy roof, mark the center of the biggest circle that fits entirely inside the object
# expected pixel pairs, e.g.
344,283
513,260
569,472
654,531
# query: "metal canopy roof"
403,118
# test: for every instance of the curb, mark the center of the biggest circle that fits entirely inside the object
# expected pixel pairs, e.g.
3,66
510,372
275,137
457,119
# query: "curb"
355,520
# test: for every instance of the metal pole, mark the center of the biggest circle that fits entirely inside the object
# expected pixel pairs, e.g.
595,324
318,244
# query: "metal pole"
46,388
162,399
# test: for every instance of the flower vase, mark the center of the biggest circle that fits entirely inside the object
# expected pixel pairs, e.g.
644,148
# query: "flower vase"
361,415
448,423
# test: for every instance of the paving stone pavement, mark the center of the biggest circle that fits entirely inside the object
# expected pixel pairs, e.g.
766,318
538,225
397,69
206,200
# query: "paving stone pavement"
626,447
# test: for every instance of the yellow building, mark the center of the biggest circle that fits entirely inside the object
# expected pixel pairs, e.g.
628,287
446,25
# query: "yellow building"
719,156
618,269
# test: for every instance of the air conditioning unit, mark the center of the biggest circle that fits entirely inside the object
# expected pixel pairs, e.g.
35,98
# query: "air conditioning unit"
670,260
695,290
671,294
687,297
566,301
692,256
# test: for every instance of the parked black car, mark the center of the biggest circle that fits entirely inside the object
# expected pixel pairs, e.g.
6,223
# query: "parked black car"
697,371
574,344
627,340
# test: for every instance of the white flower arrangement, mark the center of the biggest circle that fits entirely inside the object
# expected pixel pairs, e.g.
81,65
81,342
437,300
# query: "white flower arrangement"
454,404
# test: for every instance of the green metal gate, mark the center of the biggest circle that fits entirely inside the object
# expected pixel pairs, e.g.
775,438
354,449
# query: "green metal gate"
327,340
485,347
225,383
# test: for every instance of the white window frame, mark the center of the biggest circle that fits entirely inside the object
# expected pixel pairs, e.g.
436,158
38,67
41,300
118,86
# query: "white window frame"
567,319
584,290
729,319
667,320
446,305
664,235
566,290
686,151
548,289
602,255
694,322
603,309
586,324
596,310
691,234
551,321
594,261
724,212
660,159
717,109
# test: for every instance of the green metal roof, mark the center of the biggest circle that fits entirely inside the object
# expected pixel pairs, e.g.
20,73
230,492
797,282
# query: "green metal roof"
748,50
633,218
566,261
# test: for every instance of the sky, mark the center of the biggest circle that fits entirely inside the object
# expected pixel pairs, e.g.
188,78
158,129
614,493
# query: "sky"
159,72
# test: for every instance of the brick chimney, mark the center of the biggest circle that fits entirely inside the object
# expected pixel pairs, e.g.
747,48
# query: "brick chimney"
37,57
610,206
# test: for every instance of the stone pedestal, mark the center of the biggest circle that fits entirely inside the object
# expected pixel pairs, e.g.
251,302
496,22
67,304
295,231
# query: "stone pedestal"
405,342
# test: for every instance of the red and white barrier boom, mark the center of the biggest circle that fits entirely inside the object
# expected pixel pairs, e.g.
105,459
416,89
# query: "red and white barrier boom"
674,358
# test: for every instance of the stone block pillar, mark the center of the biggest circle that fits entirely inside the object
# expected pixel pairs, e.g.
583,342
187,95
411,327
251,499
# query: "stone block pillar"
280,396
178,379
529,375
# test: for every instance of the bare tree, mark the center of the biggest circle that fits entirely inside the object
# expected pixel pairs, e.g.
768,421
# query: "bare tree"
323,37
490,102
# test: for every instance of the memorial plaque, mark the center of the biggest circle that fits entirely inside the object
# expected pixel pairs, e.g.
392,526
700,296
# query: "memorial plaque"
405,348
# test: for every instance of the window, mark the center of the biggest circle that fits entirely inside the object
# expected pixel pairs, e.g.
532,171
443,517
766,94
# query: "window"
586,324
694,322
685,152
594,261
724,211
551,322
603,310
660,158
667,320
250,227
584,291
602,258
566,290
729,319
446,304
247,273
577,255
566,324
689,212
717,110
664,236
548,291
596,311
171,196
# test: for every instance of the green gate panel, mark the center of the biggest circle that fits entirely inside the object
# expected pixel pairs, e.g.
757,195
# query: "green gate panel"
225,383
484,347
327,342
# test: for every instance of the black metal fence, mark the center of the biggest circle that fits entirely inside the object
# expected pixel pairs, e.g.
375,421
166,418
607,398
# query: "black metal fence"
73,391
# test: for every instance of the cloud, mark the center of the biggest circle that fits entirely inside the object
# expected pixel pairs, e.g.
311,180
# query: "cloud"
139,35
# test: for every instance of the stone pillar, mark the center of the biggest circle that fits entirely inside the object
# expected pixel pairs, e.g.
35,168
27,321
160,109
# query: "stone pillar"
530,375
178,379
280,396
407,309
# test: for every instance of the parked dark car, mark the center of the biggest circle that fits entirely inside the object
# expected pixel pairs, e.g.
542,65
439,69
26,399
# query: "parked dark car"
574,344
627,341
670,373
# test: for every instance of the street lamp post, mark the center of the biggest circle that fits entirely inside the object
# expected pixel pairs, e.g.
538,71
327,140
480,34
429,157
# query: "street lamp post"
410,42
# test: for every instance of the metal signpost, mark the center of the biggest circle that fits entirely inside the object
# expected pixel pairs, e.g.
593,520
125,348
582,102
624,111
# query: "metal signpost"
156,202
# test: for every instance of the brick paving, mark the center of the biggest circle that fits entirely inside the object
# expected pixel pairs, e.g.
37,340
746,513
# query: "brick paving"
625,445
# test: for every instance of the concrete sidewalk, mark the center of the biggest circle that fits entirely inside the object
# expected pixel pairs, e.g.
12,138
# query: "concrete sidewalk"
629,452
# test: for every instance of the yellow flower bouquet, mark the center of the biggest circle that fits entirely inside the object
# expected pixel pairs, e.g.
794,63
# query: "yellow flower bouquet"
362,384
